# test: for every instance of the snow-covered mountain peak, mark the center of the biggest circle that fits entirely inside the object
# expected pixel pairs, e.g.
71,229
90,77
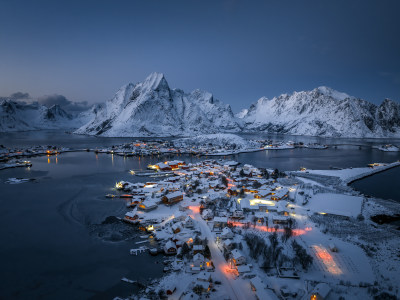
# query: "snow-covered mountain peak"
327,91
155,81
151,108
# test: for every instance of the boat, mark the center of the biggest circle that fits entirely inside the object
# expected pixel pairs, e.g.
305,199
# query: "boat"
126,196
280,146
110,196
128,280
153,251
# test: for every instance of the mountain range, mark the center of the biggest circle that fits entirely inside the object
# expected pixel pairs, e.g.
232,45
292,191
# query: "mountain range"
152,108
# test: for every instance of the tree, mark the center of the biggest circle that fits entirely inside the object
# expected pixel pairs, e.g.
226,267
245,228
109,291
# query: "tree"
254,219
240,246
198,289
241,173
207,252
224,181
256,184
301,257
287,234
185,249
241,192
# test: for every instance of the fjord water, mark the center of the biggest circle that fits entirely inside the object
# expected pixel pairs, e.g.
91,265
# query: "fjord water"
50,228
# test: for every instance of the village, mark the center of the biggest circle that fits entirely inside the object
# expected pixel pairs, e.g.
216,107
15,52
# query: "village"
239,232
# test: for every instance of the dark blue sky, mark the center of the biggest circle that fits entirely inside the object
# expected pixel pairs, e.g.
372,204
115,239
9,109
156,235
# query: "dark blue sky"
238,50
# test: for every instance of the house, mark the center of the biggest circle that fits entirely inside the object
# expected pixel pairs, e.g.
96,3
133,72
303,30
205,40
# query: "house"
177,227
220,222
204,276
148,204
198,260
205,285
258,287
238,257
284,220
207,214
243,269
227,244
198,249
131,217
172,198
163,167
320,292
226,233
170,248
238,214
189,222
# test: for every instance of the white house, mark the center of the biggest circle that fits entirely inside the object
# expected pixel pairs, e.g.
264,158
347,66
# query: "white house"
198,260
189,222
238,257
204,276
226,233
320,292
170,248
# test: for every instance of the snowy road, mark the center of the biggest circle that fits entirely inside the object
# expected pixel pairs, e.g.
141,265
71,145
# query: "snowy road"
235,287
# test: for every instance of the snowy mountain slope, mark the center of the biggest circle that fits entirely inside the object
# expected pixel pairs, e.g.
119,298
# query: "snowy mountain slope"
323,112
151,108
16,116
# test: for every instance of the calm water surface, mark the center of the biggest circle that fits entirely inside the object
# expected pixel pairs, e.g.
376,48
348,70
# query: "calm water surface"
49,248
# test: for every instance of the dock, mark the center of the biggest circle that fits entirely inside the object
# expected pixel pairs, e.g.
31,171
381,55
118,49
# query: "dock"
138,250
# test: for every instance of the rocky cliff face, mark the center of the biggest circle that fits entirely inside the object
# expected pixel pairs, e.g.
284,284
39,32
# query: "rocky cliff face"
151,108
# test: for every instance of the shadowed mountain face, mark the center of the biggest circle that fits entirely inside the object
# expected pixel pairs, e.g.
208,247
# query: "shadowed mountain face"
151,108
16,116
323,112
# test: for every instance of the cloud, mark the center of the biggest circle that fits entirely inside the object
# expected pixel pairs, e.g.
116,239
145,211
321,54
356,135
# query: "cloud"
20,96
50,100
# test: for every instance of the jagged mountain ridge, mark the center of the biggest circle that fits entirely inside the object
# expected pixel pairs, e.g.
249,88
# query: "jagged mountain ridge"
17,116
323,112
151,108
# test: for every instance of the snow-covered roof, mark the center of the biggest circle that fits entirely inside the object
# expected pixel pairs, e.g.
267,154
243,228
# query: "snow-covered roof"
337,204
221,219
236,254
198,256
226,231
204,276
169,244
322,289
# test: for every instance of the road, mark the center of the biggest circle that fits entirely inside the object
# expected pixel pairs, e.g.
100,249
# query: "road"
238,289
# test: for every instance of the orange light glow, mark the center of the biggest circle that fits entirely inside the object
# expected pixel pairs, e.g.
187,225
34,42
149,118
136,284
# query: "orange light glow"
195,209
327,259
295,232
